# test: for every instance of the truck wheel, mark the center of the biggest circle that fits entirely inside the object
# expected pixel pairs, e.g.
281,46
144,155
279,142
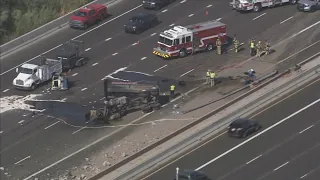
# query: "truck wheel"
33,87
313,9
209,47
146,109
257,7
85,26
182,53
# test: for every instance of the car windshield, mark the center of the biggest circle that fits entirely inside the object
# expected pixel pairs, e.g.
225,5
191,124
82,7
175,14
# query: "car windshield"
165,41
80,13
238,124
25,70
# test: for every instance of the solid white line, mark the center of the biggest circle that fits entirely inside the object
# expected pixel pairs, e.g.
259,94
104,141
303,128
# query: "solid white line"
108,39
183,1
164,10
286,20
186,73
74,74
21,121
259,16
253,159
88,49
76,37
51,125
255,136
281,166
143,58
209,5
95,64
306,129
160,68
190,15
153,34
6,90
114,54
78,130
23,160
303,176
305,29
171,25
83,89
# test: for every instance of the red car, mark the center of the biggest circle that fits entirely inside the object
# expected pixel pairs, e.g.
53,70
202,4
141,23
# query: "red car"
88,16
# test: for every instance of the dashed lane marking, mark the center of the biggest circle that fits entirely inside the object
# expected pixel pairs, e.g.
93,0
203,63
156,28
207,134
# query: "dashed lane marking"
143,58
253,159
114,54
108,39
160,68
306,129
6,90
28,157
171,25
1,132
51,125
183,1
186,73
153,34
95,64
83,89
209,5
286,20
20,122
134,44
164,10
219,19
64,99
88,49
74,74
281,166
79,130
190,15
259,16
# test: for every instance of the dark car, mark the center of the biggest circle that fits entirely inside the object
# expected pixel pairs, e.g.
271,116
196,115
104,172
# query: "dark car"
242,128
155,4
308,5
192,175
140,23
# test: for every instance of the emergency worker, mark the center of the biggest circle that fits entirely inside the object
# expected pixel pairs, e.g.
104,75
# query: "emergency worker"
212,78
208,76
218,44
235,44
252,47
267,47
259,48
172,89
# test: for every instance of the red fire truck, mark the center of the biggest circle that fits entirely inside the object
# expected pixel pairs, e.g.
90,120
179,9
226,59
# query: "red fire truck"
181,41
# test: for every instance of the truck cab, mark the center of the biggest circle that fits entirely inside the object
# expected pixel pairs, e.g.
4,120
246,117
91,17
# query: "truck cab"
27,76
90,15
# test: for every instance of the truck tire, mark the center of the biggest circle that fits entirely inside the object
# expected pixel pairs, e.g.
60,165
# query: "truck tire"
313,9
33,86
182,53
209,47
85,26
257,7
146,109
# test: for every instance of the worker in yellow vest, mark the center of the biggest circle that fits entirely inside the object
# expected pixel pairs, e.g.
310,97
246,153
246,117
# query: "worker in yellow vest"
208,76
252,47
258,49
212,78
172,89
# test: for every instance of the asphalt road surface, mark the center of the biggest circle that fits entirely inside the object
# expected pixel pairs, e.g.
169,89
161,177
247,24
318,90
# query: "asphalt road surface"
43,142
288,150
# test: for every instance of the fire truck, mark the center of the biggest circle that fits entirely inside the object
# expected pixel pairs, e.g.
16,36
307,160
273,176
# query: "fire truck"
257,5
181,41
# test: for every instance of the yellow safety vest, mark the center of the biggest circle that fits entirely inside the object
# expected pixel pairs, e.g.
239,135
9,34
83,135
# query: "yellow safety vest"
172,88
252,45
208,74
212,75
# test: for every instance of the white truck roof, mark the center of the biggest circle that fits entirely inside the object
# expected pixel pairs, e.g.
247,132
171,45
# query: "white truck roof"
29,66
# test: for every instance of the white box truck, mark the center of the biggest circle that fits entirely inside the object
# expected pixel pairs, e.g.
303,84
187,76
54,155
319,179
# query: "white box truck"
31,75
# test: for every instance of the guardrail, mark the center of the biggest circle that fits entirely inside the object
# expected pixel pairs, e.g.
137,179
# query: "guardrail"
41,31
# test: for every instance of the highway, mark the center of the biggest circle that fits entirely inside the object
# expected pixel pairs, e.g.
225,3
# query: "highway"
45,142
286,148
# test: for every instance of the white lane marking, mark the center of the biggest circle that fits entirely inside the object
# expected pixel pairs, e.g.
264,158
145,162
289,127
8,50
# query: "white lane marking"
102,98
51,125
305,29
160,68
83,89
1,132
28,157
190,15
88,49
183,1
209,5
286,20
95,64
281,166
20,122
64,99
143,58
171,25
303,176
114,54
75,37
186,73
257,135
79,130
259,16
253,159
306,129
153,34
74,74
6,90
108,39
218,19
134,44
164,10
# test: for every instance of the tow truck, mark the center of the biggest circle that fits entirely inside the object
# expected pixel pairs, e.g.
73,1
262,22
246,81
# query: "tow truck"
88,16
257,5
183,40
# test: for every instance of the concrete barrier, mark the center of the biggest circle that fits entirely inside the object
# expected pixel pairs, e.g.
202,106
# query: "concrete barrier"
41,31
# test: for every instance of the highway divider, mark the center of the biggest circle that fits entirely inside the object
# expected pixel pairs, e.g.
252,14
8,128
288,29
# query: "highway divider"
188,126
42,31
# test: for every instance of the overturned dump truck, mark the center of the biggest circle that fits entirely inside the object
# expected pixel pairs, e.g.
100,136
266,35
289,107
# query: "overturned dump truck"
123,97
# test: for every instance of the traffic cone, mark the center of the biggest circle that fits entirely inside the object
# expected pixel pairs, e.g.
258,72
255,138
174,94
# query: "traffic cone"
207,13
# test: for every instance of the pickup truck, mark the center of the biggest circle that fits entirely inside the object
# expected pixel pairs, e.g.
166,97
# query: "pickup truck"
31,75
308,5
88,16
